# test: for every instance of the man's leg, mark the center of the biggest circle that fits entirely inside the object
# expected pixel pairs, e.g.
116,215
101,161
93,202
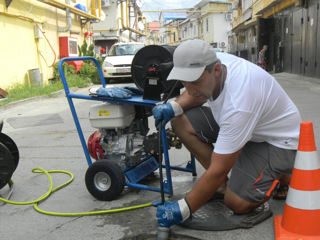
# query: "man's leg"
284,187
256,175
197,130
238,204
184,130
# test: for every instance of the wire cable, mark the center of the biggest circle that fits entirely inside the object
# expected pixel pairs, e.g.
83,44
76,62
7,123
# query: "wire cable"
52,190
54,52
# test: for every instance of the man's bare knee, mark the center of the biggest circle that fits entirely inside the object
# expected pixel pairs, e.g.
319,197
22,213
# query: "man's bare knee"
238,204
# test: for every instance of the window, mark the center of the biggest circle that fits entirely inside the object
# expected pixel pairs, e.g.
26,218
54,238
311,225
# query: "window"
73,47
207,24
125,49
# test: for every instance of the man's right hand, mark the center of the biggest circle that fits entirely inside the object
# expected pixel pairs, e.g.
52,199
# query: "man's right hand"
171,213
163,112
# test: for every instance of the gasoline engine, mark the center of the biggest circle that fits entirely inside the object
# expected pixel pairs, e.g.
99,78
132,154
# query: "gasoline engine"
121,145
122,134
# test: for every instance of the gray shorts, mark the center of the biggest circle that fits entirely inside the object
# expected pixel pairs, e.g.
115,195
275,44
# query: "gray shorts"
255,175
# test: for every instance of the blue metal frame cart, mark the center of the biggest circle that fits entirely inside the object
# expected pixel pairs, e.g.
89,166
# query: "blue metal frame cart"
134,100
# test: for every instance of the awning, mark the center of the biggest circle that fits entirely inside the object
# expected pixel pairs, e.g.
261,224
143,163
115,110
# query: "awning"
245,25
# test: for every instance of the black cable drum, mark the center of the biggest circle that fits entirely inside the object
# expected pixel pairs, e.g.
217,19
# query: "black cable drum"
150,68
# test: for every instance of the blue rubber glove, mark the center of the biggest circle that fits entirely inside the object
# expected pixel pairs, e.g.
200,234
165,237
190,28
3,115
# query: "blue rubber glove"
114,92
134,90
171,213
163,112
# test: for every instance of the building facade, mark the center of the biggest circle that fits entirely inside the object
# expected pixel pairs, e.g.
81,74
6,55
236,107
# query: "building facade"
209,20
189,28
290,28
153,33
122,22
214,22
30,33
169,30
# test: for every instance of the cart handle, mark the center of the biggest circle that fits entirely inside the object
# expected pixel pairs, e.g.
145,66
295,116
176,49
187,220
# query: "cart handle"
69,59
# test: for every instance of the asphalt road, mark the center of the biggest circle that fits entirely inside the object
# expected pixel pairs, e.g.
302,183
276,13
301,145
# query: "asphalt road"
45,134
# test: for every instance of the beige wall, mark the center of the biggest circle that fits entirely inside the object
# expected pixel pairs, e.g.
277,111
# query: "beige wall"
19,48
210,17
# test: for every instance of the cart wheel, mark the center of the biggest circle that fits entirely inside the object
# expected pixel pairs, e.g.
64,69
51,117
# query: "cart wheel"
10,144
7,165
105,180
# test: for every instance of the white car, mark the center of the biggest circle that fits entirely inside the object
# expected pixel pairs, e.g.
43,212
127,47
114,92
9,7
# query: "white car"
117,64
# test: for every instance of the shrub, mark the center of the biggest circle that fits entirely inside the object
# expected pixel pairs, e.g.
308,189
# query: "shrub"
67,69
90,71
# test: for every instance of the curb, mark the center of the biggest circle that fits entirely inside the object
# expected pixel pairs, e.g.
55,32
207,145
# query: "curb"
58,93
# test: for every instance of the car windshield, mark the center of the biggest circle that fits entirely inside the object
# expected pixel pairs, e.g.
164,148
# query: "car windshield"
125,49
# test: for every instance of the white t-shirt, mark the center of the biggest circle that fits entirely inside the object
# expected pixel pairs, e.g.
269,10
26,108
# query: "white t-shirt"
253,107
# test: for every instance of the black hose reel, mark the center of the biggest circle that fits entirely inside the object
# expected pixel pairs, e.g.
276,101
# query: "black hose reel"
9,158
150,68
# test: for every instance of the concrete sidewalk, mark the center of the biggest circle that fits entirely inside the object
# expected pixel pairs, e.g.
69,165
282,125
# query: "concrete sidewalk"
46,136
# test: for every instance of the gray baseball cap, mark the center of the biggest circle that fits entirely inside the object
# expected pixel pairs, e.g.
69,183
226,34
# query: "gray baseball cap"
190,59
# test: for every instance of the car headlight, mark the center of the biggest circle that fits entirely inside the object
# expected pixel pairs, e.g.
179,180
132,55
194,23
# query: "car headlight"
107,64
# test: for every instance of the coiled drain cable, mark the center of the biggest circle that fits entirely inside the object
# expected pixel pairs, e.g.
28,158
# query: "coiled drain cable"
52,190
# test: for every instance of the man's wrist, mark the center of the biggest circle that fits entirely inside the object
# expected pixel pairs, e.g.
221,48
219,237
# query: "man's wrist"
177,109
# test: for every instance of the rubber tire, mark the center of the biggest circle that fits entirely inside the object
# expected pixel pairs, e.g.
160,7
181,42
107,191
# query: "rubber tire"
7,165
107,80
116,175
10,144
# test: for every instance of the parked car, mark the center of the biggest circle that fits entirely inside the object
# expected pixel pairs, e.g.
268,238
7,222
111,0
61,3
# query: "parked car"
117,64
218,49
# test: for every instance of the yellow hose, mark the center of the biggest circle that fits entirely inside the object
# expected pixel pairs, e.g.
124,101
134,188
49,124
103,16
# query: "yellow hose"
52,190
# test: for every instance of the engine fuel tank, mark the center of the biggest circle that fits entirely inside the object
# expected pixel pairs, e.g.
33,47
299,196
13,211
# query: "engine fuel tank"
111,115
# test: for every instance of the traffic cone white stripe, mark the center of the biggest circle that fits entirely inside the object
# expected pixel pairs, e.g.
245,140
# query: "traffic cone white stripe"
305,200
310,161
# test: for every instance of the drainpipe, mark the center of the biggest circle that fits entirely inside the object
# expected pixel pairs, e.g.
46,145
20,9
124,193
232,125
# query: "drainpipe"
128,27
144,19
68,17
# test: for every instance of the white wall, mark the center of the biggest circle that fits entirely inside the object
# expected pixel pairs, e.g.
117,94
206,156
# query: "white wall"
111,14
220,29
102,29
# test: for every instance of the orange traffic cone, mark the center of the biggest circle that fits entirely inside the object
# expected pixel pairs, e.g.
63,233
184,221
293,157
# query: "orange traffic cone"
301,215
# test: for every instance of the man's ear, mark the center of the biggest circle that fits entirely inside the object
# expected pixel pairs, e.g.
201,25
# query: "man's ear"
217,69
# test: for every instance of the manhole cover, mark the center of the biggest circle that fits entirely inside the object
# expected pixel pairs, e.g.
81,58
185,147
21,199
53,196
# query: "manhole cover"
154,237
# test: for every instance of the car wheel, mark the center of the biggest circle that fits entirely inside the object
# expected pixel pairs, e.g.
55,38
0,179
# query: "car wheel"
107,80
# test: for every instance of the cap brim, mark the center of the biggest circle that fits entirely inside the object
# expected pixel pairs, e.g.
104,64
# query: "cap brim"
185,74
